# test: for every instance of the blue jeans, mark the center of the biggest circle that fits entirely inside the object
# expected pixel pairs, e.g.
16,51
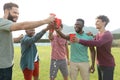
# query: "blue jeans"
6,73
105,73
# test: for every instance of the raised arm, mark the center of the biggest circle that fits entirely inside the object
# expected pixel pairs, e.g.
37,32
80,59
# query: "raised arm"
62,34
50,36
31,24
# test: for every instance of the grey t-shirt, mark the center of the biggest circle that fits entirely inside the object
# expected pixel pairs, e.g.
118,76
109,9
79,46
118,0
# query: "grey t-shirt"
6,44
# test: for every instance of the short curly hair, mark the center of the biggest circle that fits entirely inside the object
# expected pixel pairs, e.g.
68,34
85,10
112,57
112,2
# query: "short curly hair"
103,18
83,22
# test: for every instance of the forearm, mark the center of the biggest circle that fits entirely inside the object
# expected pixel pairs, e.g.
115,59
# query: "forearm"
16,40
93,54
50,36
39,35
90,43
99,42
35,38
93,60
67,52
27,25
62,35
67,55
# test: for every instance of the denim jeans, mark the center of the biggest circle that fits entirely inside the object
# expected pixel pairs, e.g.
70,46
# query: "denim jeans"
6,73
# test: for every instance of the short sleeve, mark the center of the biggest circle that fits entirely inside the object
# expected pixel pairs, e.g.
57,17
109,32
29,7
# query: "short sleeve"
5,24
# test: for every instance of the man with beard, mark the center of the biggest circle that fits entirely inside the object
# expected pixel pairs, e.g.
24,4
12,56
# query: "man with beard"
79,61
7,25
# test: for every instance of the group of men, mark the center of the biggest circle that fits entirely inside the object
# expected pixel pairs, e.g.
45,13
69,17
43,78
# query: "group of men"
79,61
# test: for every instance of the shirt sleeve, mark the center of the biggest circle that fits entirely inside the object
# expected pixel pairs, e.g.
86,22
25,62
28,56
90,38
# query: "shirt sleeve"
5,24
104,39
31,40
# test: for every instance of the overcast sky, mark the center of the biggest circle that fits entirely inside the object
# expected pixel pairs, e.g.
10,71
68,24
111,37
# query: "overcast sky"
68,11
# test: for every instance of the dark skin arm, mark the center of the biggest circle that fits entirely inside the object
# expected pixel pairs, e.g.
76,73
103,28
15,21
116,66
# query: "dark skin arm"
50,36
60,33
67,53
92,54
17,39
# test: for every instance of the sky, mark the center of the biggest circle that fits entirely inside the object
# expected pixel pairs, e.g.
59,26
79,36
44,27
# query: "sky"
67,10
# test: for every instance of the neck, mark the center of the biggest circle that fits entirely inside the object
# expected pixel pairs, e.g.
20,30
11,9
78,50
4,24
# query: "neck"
81,32
102,30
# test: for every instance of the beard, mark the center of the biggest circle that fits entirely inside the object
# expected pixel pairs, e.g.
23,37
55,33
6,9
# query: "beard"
10,17
78,30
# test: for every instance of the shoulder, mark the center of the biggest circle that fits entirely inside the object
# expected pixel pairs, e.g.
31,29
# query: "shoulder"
89,36
25,37
108,34
5,24
5,21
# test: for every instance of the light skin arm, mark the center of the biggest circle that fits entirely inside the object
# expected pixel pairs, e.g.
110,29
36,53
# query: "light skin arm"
31,24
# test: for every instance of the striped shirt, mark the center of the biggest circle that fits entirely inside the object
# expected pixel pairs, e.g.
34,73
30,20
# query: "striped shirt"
58,47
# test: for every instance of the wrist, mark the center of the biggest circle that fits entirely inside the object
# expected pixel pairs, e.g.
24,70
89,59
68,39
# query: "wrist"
44,30
78,41
57,30
51,30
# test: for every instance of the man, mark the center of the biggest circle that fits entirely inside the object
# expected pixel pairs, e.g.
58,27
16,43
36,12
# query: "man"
79,54
29,55
11,12
103,43
59,55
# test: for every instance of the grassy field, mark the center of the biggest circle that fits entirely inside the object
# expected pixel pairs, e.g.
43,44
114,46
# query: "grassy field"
44,54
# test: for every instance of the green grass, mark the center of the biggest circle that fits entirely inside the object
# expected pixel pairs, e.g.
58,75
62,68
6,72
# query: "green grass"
44,54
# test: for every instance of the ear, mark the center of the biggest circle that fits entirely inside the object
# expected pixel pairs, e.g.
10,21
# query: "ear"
6,12
104,23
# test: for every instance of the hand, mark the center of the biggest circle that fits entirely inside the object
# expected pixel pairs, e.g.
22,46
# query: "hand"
51,27
75,39
50,19
21,36
92,69
89,34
